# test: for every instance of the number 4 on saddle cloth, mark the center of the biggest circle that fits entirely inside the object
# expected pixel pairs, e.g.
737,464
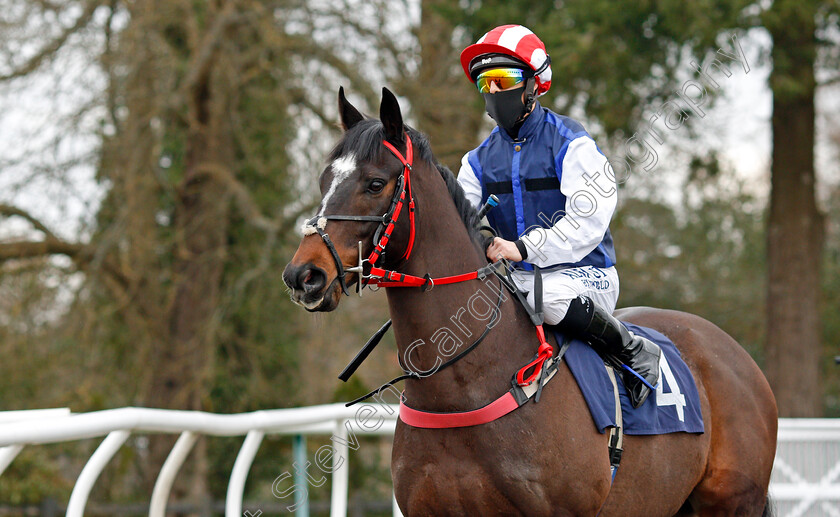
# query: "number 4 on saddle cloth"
673,407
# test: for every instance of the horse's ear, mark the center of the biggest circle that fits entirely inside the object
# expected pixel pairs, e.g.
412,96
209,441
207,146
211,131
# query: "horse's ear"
350,116
389,114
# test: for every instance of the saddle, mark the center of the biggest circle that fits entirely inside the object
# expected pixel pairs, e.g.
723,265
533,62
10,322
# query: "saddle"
674,410
673,407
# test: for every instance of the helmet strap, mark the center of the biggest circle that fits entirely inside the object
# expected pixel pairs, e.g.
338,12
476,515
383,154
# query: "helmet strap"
530,95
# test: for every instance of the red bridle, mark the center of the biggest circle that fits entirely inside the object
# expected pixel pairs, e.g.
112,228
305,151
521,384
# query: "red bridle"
389,220
377,275
387,278
525,376
406,190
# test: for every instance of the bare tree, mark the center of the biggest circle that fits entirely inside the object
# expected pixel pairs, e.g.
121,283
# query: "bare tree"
201,191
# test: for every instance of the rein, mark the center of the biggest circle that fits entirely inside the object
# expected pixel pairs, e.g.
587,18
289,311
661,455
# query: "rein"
528,380
412,374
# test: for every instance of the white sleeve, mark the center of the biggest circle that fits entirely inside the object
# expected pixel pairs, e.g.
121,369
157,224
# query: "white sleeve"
591,197
469,182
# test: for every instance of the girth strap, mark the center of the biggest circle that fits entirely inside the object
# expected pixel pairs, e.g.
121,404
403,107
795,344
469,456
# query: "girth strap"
615,445
616,442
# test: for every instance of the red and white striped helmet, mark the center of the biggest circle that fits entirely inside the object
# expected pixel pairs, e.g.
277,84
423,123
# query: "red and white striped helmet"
515,41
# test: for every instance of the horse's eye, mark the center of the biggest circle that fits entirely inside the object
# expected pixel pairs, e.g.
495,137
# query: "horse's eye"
375,186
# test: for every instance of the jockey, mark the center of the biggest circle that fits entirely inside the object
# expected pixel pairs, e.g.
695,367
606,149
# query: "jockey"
556,194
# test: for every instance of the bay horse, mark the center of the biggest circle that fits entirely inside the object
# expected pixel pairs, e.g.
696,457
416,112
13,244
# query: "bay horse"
545,458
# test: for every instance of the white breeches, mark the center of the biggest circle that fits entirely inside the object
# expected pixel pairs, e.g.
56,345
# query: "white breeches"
560,287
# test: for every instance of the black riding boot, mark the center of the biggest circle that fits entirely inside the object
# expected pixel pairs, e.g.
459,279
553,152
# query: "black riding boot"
598,328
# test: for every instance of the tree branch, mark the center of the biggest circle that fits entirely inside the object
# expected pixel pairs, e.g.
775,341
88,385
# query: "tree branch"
10,211
108,64
299,97
33,249
52,47
307,48
199,71
247,207
829,82
48,6
51,245
377,35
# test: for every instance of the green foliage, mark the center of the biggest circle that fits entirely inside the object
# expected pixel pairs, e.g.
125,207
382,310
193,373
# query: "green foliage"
613,58
831,306
256,363
350,390
34,476
706,258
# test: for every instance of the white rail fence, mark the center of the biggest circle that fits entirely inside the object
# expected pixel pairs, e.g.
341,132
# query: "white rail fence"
342,424
806,475
805,480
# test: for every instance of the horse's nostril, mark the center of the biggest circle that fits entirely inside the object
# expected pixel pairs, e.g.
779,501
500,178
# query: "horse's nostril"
305,277
313,280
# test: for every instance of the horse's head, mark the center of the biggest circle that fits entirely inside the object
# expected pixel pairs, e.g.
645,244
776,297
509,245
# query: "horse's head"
361,189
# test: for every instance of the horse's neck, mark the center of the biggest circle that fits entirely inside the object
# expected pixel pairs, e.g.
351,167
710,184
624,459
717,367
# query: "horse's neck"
434,326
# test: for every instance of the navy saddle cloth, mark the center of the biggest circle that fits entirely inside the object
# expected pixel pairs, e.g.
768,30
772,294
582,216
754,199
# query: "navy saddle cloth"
673,407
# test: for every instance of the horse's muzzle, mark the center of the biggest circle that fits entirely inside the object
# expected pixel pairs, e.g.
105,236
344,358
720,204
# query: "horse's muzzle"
309,287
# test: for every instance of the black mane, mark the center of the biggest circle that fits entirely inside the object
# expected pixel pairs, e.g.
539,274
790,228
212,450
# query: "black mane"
365,141
468,213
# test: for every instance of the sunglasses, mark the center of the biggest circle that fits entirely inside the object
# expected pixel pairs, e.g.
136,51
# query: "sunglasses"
503,77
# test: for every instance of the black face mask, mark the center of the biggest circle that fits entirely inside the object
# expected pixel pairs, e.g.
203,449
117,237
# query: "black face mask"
507,109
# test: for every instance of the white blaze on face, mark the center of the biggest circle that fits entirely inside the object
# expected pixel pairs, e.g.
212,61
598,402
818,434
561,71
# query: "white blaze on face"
342,167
